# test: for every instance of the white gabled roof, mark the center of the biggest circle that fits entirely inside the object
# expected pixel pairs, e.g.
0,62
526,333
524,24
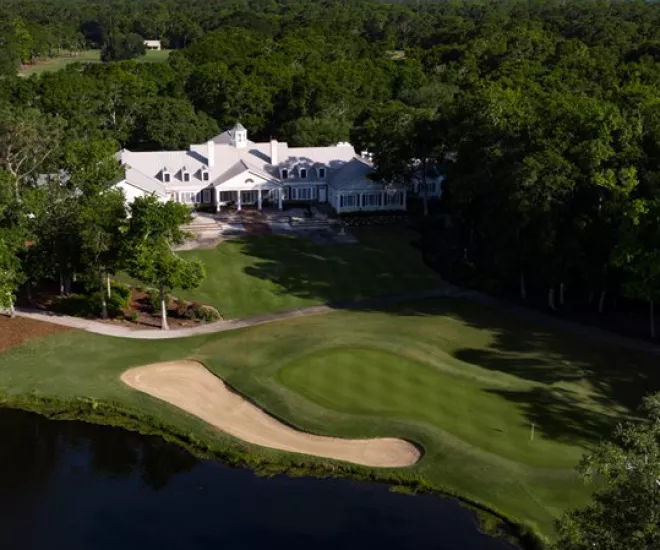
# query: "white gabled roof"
143,169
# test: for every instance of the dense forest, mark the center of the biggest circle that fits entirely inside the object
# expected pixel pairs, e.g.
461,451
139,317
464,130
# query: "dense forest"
544,117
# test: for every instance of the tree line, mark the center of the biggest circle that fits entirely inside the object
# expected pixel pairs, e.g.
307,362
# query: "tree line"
543,116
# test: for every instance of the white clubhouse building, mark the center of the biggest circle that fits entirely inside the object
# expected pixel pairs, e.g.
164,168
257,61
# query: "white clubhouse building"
231,171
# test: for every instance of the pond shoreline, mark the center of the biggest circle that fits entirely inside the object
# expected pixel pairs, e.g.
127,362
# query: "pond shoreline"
491,522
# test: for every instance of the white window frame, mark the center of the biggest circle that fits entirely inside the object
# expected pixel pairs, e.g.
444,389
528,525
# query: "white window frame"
227,196
205,175
372,200
349,200
394,199
285,173
303,193
167,177
303,173
185,176
322,173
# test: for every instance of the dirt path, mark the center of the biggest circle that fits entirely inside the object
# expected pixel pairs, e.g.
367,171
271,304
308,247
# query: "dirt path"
191,387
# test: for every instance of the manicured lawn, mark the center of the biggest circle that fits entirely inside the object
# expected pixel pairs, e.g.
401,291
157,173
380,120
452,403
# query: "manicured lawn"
265,274
61,61
463,381
88,56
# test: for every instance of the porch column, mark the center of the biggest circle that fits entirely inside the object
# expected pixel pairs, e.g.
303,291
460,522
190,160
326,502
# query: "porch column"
382,200
404,199
217,199
259,198
280,192
238,200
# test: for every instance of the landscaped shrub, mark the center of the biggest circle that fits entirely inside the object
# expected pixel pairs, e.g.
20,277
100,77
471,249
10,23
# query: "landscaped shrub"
77,305
357,219
180,307
153,301
132,316
116,304
122,293
200,312
83,305
210,314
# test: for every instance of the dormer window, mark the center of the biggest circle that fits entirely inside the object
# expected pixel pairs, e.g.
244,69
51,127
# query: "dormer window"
285,174
166,175
185,175
322,173
303,173
205,175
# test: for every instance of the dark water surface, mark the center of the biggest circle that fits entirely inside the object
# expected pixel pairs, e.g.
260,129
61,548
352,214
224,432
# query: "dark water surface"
72,485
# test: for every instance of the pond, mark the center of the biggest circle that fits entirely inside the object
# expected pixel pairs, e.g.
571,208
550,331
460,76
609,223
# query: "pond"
75,485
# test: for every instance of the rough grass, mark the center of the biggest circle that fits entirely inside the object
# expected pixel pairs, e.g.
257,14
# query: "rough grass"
271,273
463,381
87,56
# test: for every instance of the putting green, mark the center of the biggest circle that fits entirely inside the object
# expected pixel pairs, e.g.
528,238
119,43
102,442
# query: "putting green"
382,383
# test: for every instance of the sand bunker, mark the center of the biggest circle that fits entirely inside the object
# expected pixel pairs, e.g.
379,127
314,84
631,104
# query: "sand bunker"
191,387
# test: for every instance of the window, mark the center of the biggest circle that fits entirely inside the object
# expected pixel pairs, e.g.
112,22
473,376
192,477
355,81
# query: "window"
188,197
348,201
303,173
249,182
206,196
303,193
186,175
205,175
166,176
371,199
322,173
394,199
285,174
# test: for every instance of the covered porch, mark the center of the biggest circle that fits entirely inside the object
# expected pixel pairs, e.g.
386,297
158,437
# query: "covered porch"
261,197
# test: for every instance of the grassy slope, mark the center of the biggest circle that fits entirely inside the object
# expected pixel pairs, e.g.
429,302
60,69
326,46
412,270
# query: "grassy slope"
275,273
462,380
88,56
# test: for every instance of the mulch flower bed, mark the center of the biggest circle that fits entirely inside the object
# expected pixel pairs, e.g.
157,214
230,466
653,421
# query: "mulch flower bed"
139,308
14,332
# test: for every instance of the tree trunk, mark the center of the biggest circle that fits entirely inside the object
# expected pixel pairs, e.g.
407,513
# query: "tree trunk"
12,309
523,287
104,305
163,310
551,298
561,294
652,319
601,301
107,281
61,282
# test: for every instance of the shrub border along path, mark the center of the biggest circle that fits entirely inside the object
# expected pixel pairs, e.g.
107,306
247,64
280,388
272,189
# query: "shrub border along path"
448,291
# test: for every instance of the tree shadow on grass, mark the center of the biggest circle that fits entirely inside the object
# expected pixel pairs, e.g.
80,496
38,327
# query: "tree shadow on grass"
561,415
580,386
338,273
